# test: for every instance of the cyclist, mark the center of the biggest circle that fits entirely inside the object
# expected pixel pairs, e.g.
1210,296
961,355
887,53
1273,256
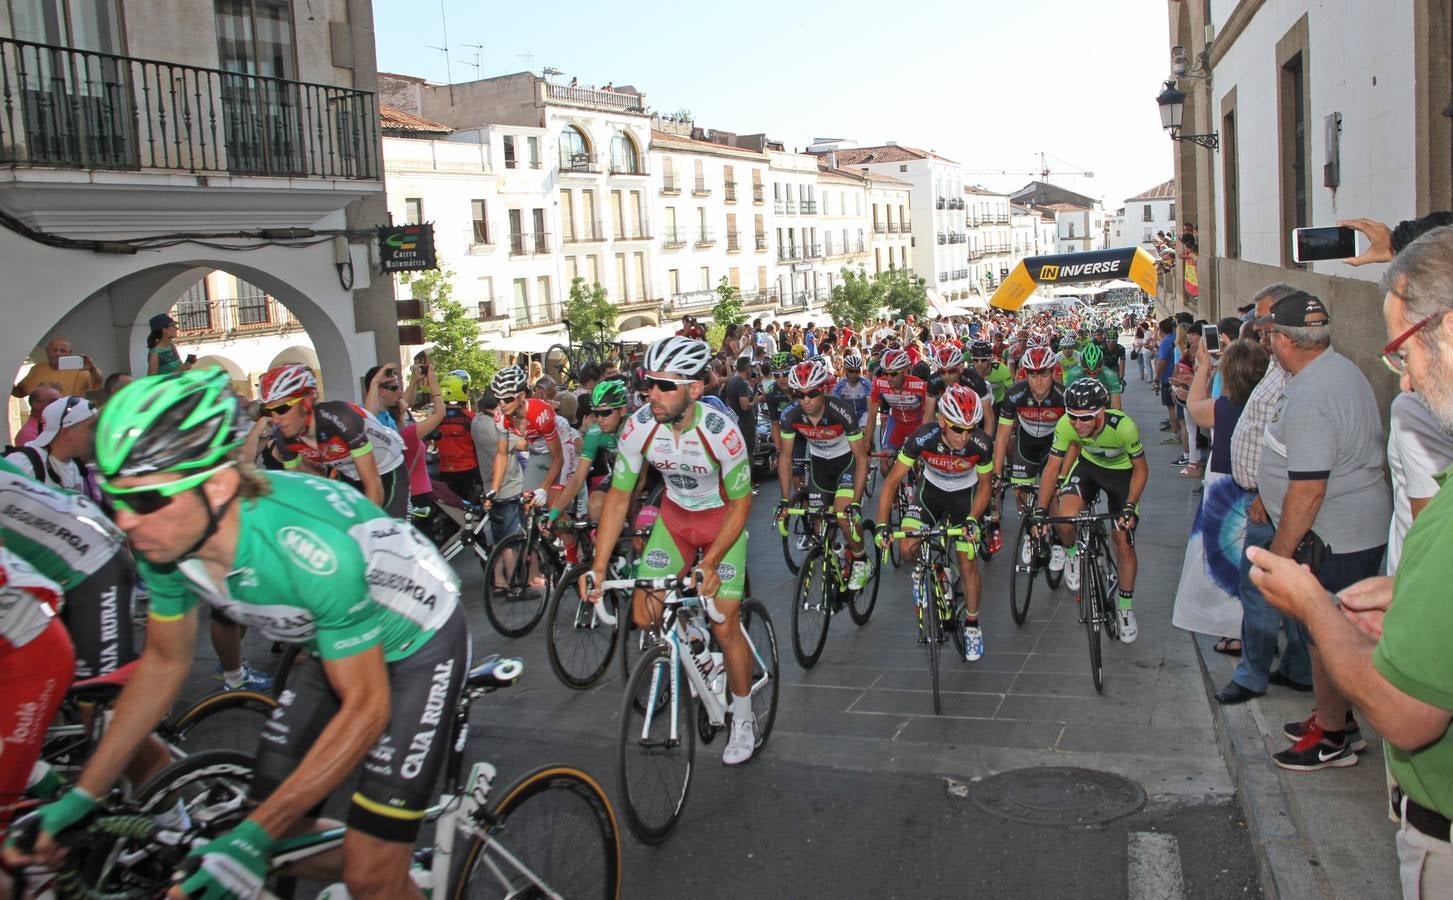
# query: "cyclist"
1097,449
778,398
852,388
1092,366
703,458
532,419
837,457
1027,419
951,455
303,562
597,451
998,375
1069,355
906,396
1109,340
948,370
335,436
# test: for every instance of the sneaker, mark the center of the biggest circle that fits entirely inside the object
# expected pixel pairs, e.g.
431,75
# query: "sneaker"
1298,730
1072,572
1026,552
1129,631
973,643
1057,558
1170,439
1165,426
859,576
252,680
1180,461
1313,752
742,743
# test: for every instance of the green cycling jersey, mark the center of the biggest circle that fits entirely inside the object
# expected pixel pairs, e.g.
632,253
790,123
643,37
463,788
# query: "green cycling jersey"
1115,446
1000,379
1110,379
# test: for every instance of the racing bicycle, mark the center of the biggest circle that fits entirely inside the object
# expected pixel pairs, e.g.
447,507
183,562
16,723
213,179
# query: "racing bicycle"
822,581
937,598
1099,581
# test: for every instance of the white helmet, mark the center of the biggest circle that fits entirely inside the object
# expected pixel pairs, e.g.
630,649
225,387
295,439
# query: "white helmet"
947,357
852,361
961,406
808,375
678,355
896,361
507,382
282,382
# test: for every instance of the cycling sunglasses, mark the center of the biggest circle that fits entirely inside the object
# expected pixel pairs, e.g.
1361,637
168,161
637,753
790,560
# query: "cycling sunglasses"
1085,417
281,408
145,500
667,385
808,395
958,429
605,411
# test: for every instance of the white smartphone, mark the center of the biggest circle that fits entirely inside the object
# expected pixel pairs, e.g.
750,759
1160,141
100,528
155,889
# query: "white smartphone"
69,363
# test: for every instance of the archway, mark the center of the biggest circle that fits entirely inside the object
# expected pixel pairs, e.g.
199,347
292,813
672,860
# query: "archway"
575,149
624,154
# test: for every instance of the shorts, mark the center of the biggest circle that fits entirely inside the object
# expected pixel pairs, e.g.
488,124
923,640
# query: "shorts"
97,613
1027,462
536,468
35,677
1086,480
395,491
1167,398
831,475
897,432
397,779
932,505
678,534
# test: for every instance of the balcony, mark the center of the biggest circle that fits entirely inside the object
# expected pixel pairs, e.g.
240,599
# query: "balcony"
761,242
777,207
232,317
791,207
701,190
762,298
669,187
785,254
1001,219
579,164
675,238
809,207
589,97
495,310
879,228
813,251
629,167
956,204
894,228
734,242
940,203
729,192
524,244
691,300
532,314
975,255
757,196
705,237
593,232
637,232
76,109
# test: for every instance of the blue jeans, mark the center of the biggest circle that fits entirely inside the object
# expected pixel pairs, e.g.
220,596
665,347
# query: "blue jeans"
1260,623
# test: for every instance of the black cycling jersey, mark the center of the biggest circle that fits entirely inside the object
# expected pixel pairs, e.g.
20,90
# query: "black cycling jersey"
777,400
833,432
1036,418
943,466
969,378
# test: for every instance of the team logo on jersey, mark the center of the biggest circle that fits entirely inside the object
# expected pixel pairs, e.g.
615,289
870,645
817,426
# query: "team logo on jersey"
682,482
657,559
726,572
307,551
732,442
742,480
715,423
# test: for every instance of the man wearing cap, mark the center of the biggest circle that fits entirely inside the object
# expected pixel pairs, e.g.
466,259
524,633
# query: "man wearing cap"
69,382
1321,481
56,456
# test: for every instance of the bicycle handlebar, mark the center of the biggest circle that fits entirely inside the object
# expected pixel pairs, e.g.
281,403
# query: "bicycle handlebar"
683,588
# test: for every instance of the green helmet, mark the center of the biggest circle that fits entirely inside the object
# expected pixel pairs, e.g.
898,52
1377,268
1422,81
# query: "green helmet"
782,361
180,422
608,395
1092,358
453,390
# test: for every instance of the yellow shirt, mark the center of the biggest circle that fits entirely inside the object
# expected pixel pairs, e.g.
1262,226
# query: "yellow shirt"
71,383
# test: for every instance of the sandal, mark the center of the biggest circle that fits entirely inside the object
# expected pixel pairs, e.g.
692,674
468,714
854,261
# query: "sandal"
1192,471
1224,646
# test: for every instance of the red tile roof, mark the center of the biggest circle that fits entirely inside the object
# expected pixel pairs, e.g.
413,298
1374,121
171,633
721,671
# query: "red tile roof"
858,156
391,117
1064,207
1164,191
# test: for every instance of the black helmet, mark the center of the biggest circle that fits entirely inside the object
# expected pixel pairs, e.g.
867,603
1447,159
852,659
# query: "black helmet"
981,350
1086,394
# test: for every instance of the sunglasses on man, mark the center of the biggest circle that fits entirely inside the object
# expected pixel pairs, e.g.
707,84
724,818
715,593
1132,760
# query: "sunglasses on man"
957,429
145,500
808,395
666,385
1085,416
280,408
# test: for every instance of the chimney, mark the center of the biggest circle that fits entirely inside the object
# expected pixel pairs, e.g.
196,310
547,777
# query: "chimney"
832,159
890,143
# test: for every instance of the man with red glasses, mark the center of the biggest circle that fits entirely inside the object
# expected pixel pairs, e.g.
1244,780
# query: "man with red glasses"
703,460
837,457
302,561
906,396
335,435
1097,449
951,456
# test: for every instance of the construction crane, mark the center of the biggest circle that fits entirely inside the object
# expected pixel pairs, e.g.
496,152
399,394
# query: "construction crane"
1043,173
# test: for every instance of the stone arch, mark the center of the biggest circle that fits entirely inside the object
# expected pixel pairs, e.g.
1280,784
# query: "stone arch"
240,382
575,140
636,322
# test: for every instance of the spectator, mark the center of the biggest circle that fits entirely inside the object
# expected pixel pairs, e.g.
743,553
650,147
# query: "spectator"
67,382
452,437
1386,647
1208,598
113,383
1418,448
1141,352
39,399
161,349
767,342
57,455
1321,480
1165,363
1260,624
545,389
741,396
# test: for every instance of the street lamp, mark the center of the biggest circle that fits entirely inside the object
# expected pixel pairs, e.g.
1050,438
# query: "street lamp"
1172,110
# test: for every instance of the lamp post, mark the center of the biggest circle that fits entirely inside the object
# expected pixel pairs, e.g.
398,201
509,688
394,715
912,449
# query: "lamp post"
1172,103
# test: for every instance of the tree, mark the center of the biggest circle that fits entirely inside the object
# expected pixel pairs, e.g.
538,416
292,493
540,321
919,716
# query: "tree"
904,293
590,313
856,300
728,309
451,328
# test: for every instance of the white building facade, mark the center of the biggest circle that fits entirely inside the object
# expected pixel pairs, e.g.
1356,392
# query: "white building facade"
801,268
890,200
990,225
843,219
1146,214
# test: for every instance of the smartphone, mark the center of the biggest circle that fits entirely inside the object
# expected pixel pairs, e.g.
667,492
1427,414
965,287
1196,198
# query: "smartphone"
191,358
69,363
1332,242
1211,337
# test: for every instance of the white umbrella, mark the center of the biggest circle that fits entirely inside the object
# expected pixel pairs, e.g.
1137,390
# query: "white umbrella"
645,334
527,342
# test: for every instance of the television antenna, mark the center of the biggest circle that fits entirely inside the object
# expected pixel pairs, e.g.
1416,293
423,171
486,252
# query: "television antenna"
478,63
1043,172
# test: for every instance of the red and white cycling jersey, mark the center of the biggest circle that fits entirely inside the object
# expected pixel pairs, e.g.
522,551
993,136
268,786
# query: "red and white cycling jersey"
342,432
905,403
28,602
538,428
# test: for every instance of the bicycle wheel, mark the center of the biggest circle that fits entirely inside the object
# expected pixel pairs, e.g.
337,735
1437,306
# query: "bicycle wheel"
657,746
1021,577
765,665
226,720
1109,588
580,647
515,608
1090,611
865,600
553,833
953,612
556,364
928,621
812,608
796,542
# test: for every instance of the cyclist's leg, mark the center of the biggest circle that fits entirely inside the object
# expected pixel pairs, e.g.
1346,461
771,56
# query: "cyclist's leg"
1116,484
504,520
1076,492
35,677
916,517
728,601
660,558
835,477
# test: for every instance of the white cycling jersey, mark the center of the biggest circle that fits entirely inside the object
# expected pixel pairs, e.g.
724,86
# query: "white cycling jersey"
703,468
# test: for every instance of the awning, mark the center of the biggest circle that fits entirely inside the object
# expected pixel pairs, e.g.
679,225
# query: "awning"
646,334
1134,263
937,304
527,342
1088,290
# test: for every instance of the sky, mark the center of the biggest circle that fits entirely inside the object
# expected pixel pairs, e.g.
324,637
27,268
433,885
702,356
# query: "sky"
989,84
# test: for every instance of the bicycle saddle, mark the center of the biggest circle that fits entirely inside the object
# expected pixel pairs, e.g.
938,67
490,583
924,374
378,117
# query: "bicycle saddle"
495,673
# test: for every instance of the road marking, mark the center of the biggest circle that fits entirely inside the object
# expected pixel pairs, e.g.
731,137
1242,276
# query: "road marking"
1154,866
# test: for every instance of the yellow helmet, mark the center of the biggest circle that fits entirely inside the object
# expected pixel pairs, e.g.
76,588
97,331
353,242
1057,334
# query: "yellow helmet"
452,387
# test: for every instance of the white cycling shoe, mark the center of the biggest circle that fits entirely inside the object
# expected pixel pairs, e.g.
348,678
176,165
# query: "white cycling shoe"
742,744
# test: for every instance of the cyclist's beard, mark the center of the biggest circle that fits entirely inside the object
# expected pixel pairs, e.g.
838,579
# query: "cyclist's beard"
670,414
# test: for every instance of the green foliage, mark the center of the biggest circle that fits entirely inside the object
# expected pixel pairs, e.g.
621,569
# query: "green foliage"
728,309
904,293
715,335
858,299
453,330
591,315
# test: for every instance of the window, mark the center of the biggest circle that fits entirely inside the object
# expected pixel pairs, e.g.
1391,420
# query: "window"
486,291
705,278
700,186
542,238
623,156
587,209
1146,215
517,232
701,223
481,221
413,210
668,174
510,161
637,228
640,293
522,300
1171,212
1149,233
542,296
574,150
1230,176
734,275
673,281
761,278
193,312
1292,102
567,215
618,209
903,168
620,293
592,269
572,270
1072,231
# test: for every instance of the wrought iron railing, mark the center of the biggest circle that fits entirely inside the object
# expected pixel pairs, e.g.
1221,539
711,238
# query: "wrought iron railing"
199,319
547,313
691,300
81,109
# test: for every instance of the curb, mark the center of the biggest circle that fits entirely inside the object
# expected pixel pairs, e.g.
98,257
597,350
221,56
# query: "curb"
1287,868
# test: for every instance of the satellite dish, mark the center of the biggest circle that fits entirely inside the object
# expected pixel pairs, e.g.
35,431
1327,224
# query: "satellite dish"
551,70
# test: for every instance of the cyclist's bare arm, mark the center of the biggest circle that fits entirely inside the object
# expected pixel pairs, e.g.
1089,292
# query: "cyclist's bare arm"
367,466
889,490
784,466
557,459
361,683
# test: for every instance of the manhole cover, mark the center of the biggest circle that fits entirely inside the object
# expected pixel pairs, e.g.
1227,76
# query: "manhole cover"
1058,795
